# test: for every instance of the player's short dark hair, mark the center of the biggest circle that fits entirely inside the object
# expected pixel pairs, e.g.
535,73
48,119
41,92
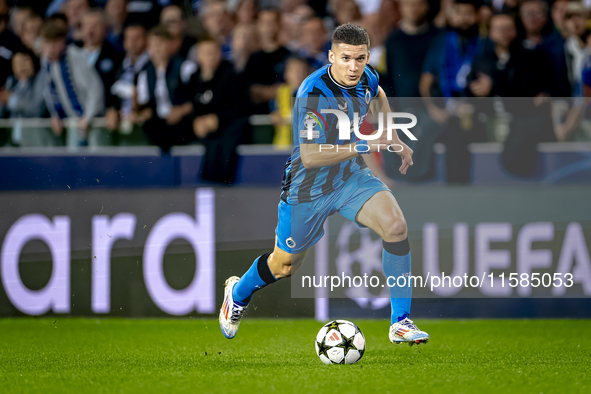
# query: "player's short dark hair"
162,32
350,34
52,31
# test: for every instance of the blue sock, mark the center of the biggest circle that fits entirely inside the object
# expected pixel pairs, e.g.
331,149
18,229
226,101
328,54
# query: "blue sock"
396,262
258,276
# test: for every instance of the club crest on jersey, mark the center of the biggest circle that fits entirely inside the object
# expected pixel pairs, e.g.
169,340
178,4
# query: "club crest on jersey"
367,96
290,242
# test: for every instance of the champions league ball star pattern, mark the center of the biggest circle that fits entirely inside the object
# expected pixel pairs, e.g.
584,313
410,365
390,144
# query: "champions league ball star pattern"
340,342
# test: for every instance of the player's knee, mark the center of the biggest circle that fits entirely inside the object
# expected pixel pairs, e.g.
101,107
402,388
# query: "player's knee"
395,230
281,266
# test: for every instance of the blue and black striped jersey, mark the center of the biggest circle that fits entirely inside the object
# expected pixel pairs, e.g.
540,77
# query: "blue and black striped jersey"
321,91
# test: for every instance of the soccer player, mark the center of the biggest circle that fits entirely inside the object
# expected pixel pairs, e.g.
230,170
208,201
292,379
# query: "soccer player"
319,182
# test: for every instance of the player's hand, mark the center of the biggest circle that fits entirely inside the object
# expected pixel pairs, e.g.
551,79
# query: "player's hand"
405,154
380,144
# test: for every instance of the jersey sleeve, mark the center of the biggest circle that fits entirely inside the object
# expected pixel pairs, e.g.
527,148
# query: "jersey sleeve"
373,79
310,126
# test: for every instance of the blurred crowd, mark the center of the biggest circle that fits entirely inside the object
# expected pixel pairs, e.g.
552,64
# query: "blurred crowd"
177,72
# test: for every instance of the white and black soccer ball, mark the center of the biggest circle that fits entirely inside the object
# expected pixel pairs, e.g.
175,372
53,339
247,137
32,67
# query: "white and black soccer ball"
340,342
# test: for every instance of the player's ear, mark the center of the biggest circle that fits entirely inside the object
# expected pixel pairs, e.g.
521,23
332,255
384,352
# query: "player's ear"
368,55
331,56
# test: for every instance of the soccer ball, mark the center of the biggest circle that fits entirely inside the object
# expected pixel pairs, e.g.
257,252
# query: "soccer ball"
340,342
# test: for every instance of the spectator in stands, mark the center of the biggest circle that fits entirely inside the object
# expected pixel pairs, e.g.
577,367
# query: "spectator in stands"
484,15
506,69
558,12
314,42
32,33
575,45
101,54
24,91
163,96
264,70
115,14
296,70
18,17
444,74
146,12
406,50
73,87
221,120
136,57
23,98
75,9
217,22
377,37
390,15
510,71
540,35
577,56
245,42
247,11
292,26
60,19
448,61
9,44
172,17
345,11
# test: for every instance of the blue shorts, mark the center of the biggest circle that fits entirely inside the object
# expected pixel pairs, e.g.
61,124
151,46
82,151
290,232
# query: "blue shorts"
301,226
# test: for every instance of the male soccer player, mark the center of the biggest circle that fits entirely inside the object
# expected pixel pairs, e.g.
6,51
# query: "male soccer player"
325,175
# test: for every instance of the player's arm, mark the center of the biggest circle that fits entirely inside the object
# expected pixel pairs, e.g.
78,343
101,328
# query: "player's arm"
382,106
322,155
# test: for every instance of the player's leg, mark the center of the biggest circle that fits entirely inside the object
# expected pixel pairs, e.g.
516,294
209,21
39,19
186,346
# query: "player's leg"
382,214
264,271
298,229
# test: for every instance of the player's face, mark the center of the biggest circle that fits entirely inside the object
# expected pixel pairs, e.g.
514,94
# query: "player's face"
348,63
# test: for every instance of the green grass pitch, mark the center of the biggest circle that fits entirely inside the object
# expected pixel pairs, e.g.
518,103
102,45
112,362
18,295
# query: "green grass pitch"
161,356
